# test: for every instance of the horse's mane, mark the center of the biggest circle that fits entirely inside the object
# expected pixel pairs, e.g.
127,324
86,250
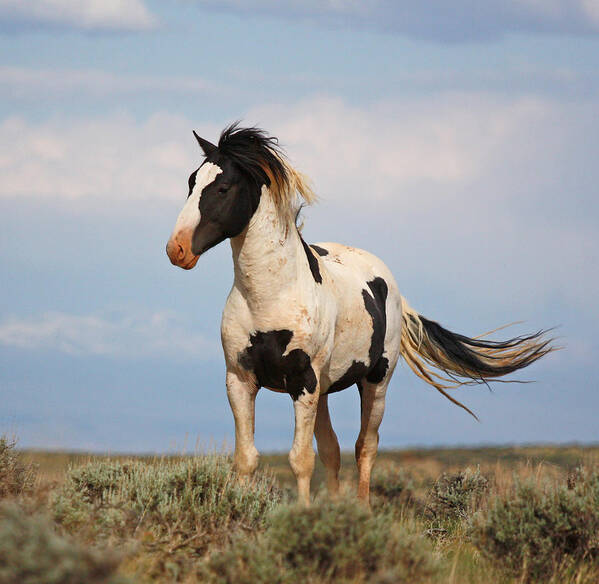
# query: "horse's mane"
260,156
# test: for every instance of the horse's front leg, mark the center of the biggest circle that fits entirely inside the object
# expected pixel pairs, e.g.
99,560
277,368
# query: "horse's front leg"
301,456
242,397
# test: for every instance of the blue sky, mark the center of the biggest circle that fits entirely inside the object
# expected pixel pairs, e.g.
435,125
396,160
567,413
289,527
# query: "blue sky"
459,144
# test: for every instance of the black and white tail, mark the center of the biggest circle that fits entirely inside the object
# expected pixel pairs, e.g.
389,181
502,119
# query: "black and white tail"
460,360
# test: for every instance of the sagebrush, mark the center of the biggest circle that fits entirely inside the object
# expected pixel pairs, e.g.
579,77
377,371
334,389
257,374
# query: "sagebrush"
393,485
535,530
31,552
16,477
328,542
455,496
175,499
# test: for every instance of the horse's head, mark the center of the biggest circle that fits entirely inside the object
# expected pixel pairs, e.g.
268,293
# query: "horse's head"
224,192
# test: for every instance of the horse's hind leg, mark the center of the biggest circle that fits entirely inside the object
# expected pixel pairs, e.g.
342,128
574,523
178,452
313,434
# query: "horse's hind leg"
328,445
372,396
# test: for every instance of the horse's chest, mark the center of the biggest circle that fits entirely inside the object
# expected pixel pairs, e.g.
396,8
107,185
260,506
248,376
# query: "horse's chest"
275,367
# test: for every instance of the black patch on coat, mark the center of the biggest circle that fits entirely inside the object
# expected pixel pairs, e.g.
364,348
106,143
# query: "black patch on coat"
321,251
292,373
377,370
377,373
312,262
226,205
378,311
357,370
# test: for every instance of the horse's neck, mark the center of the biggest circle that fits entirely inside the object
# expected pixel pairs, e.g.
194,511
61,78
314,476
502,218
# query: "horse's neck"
266,256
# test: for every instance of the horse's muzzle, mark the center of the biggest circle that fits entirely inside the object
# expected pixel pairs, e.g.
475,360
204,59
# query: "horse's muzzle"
179,256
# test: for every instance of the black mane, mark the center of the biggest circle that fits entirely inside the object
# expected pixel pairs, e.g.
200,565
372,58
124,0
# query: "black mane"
256,153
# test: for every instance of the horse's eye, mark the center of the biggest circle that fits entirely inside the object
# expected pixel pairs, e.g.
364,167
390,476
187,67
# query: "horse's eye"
223,188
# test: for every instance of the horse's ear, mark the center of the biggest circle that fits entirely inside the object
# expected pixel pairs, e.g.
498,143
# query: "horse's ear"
207,147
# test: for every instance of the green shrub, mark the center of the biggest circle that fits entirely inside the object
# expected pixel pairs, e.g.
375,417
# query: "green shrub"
16,478
199,498
328,542
390,484
454,496
245,561
32,553
538,530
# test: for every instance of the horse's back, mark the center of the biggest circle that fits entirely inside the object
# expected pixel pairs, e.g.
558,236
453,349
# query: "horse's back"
358,261
347,265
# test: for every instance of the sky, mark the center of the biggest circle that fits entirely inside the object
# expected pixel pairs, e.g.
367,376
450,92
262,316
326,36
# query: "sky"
457,141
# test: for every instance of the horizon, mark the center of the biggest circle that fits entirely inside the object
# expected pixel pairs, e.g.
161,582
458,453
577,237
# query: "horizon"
265,453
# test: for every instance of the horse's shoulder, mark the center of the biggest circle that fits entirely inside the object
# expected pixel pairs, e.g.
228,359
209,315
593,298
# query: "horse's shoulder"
236,317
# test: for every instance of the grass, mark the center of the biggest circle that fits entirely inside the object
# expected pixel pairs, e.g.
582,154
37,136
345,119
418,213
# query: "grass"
461,516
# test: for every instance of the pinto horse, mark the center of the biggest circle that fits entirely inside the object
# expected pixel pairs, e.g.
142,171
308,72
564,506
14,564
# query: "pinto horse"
311,320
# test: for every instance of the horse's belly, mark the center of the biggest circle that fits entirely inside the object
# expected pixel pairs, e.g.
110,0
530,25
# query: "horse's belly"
360,330
350,359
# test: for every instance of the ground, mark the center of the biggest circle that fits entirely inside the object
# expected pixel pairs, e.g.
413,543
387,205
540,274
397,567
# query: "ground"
511,514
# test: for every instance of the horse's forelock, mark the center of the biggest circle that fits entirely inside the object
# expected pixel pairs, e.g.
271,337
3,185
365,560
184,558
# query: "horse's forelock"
255,152
260,156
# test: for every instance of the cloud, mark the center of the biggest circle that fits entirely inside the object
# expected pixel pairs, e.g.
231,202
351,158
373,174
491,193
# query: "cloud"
86,15
444,144
158,334
116,157
441,143
19,82
480,184
113,157
457,21
494,179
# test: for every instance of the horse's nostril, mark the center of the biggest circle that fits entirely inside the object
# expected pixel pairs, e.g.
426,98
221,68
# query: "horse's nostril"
175,251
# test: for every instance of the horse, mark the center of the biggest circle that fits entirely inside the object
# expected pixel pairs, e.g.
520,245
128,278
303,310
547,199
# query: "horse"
312,320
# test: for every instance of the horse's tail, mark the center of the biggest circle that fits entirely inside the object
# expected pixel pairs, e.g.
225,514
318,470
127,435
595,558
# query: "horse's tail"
461,360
